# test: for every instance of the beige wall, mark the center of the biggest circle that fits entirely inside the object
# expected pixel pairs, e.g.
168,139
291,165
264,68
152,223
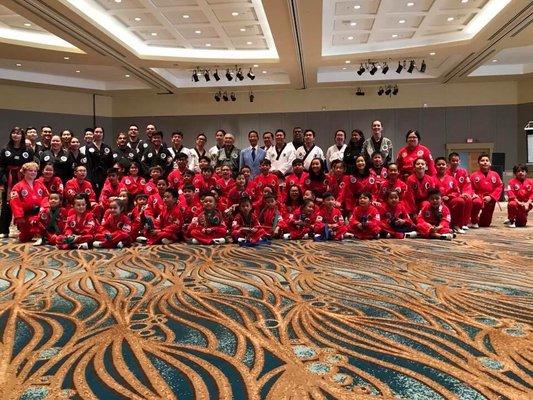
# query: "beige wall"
525,91
410,96
40,99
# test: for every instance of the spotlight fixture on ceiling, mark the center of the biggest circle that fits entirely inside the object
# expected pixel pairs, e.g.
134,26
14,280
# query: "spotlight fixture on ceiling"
225,96
400,67
388,90
359,92
239,74
195,76
218,95
411,66
374,69
229,77
232,96
380,91
385,68
395,90
361,70
216,75
423,66
251,96
250,74
206,75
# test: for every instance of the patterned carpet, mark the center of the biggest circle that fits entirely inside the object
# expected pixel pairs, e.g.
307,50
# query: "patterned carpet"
411,319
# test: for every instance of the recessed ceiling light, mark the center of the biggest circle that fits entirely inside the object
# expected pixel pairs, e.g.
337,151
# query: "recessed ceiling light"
494,61
235,13
198,31
357,7
154,33
19,65
395,36
78,71
350,37
185,16
118,1
402,21
243,29
137,19
27,24
353,23
248,43
343,68
464,1
208,45
432,53
264,72
127,75
256,65
347,62
410,4
449,19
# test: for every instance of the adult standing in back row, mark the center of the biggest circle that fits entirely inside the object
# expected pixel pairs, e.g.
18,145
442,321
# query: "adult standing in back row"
377,142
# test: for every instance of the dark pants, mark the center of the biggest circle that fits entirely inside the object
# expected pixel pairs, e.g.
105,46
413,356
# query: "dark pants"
5,214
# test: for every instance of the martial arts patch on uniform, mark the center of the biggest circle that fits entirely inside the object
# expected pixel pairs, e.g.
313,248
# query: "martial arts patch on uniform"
235,155
450,184
476,179
130,155
143,181
72,224
415,186
106,150
194,209
40,192
7,153
87,191
127,182
493,179
353,179
384,147
461,179
43,216
404,154
24,192
53,187
163,156
14,195
341,185
46,158
84,160
25,155
149,155
91,150
319,218
420,153
63,158
307,181
426,185
371,180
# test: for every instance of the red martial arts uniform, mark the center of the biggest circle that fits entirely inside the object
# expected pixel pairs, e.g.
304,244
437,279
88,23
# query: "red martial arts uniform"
465,187
416,195
448,187
240,221
519,191
370,219
206,226
54,185
390,217
429,217
150,188
109,191
353,186
52,223
175,179
134,184
168,225
300,224
327,218
485,185
25,202
83,226
388,186
406,160
114,229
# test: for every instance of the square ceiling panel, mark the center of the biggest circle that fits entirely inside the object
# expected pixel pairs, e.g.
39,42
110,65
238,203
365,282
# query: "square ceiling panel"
235,14
123,5
354,24
356,7
348,39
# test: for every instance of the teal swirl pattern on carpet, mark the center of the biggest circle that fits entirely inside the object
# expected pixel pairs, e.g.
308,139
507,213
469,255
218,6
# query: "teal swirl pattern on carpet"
404,319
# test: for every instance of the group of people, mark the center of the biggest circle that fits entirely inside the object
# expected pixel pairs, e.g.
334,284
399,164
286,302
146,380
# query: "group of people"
144,190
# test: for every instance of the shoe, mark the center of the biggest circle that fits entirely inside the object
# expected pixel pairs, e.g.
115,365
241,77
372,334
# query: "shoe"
241,240
141,239
5,235
83,246
286,236
465,227
219,241
38,242
166,241
474,226
306,236
120,245
507,221
349,235
194,241
317,236
387,236
512,224
97,244
446,236
410,235
458,230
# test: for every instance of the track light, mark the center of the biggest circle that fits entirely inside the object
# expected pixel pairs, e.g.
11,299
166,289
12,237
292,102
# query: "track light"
374,69
225,96
206,76
239,74
359,92
423,66
216,75
250,75
195,76
380,91
252,97
395,90
232,96
388,90
361,70
229,77
217,96
400,67
385,68
411,66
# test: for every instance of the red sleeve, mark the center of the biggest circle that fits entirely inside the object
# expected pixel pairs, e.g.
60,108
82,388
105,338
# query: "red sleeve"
498,187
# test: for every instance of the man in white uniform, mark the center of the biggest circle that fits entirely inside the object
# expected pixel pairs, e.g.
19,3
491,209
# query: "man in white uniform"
281,155
336,152
309,150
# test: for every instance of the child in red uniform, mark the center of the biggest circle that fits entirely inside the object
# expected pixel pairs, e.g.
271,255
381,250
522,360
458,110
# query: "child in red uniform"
520,196
271,217
205,181
377,169
393,182
465,187
395,220
488,188
330,223
245,228
155,204
266,179
151,186
26,198
80,226
300,225
115,230
226,182
433,221
418,186
133,182
52,220
78,185
137,218
54,184
294,201
365,220
317,179
359,182
336,179
208,226
451,195
111,188
169,223
190,205
297,177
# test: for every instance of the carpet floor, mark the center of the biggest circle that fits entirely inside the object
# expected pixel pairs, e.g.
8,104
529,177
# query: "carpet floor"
385,319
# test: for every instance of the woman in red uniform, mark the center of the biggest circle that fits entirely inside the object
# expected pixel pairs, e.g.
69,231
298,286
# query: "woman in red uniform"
317,180
410,153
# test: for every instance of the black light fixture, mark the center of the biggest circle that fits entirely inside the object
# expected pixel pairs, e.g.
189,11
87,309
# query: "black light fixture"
385,68
250,75
400,67
361,70
195,76
232,96
239,74
225,96
388,90
395,90
374,69
423,66
216,75
251,97
206,76
229,77
359,92
380,91
218,96
411,66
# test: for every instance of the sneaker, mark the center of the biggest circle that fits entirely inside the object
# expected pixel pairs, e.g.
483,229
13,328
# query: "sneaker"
241,240
38,242
458,230
387,236
219,241
474,226
317,236
166,241
97,244
512,224
286,236
507,221
83,246
349,235
120,245
446,236
410,235
194,241
306,236
5,235
465,228
141,239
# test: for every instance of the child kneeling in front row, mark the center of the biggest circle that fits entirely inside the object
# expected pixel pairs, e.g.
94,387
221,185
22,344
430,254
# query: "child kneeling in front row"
245,228
433,221
52,220
207,226
115,230
365,222
79,227
330,222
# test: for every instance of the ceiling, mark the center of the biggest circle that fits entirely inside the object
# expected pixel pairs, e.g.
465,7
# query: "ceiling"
157,45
